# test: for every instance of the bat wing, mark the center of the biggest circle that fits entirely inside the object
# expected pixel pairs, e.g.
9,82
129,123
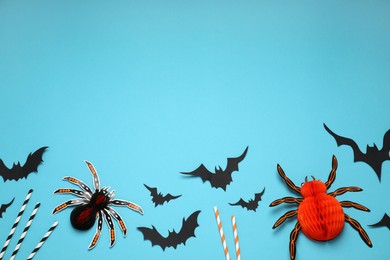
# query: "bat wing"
173,239
169,197
201,172
153,191
4,207
33,161
259,195
384,222
4,171
241,203
232,163
153,236
386,145
358,155
187,230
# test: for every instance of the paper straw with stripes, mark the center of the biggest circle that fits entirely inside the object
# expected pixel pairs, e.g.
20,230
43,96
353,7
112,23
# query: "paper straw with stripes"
44,238
25,231
11,233
225,248
238,252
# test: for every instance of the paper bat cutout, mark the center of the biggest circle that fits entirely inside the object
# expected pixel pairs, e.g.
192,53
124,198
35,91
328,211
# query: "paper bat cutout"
158,198
373,156
251,204
221,178
384,222
4,207
173,239
17,171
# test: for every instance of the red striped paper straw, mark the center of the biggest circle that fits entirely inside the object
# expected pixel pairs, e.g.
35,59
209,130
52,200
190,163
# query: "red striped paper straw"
225,248
238,252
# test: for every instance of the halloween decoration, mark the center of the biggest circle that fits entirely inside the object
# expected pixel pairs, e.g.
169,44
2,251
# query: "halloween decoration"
235,233
384,222
251,204
173,239
221,234
158,198
11,233
92,204
221,178
17,171
44,238
4,207
320,216
25,230
373,156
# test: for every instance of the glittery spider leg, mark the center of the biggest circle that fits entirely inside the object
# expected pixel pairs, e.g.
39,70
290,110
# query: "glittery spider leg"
78,193
69,203
98,231
96,181
111,225
128,204
116,216
79,183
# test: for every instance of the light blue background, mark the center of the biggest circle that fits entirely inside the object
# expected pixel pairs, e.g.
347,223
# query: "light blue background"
146,89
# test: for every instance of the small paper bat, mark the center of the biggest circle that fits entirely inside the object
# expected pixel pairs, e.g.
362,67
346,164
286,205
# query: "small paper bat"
221,178
158,198
17,171
373,156
4,207
384,222
173,239
251,204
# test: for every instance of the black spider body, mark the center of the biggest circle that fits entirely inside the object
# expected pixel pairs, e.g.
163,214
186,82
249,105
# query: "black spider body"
94,205
83,217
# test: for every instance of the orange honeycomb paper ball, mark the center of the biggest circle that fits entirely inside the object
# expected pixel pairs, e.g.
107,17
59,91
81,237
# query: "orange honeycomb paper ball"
320,215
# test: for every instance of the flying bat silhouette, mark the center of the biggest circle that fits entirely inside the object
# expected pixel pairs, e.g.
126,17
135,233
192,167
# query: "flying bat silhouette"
221,178
173,239
251,204
17,171
158,198
4,207
384,222
373,156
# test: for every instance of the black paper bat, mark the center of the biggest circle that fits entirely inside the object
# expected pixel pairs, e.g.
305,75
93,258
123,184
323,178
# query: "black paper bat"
17,171
251,204
173,239
4,207
373,156
158,198
384,222
221,178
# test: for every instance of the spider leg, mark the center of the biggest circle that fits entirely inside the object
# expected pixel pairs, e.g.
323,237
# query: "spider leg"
344,190
69,203
332,174
287,180
293,240
128,204
79,183
286,200
98,231
78,193
289,214
96,181
111,225
119,219
359,228
350,204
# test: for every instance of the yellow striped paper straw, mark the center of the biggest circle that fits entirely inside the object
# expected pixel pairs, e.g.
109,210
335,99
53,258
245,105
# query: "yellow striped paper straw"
225,248
238,252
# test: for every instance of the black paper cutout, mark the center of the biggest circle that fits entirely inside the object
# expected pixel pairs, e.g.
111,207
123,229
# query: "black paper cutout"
158,198
17,171
373,156
384,222
221,178
251,204
4,207
173,239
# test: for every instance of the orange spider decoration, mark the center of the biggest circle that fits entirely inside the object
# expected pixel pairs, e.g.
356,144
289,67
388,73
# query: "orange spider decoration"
320,215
